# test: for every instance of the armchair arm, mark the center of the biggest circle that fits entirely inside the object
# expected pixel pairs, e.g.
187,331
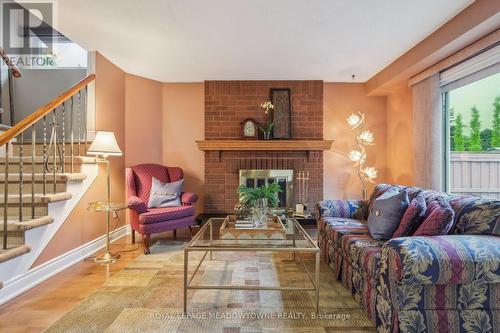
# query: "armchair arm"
355,209
137,204
188,198
449,259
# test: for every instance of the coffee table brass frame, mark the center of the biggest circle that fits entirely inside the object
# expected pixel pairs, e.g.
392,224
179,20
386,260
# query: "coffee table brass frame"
213,248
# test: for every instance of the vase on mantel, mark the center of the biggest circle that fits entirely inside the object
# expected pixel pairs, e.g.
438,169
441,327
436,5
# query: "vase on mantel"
259,212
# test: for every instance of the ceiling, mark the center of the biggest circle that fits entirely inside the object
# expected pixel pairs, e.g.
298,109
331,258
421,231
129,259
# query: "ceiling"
196,40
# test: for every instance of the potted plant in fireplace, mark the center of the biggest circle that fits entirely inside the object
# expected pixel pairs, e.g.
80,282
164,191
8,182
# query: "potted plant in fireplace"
259,198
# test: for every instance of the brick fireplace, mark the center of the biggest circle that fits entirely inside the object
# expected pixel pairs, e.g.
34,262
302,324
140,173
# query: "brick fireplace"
227,104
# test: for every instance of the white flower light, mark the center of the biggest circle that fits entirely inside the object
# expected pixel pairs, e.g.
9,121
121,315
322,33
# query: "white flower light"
355,155
366,138
370,173
354,120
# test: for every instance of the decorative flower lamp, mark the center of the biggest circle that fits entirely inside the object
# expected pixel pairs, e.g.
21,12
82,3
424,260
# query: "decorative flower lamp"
363,138
105,145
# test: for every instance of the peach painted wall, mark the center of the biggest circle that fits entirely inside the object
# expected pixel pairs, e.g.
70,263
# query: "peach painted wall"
183,123
339,101
143,120
82,226
400,137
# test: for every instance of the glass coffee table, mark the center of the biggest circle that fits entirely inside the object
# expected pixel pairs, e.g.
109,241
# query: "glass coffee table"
208,240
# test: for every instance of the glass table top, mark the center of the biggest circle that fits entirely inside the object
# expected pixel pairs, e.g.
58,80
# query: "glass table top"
283,235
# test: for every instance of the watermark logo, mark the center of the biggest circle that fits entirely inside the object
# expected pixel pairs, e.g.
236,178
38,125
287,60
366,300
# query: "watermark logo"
26,27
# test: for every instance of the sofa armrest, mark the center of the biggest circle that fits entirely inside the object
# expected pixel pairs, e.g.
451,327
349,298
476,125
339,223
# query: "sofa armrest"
188,198
354,209
137,204
449,259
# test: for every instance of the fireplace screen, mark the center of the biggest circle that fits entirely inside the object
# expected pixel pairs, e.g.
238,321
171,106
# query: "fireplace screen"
257,178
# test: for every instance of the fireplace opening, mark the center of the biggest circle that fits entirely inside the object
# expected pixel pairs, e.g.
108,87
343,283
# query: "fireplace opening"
257,178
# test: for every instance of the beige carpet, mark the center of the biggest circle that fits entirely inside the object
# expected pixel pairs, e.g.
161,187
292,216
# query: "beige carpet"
147,297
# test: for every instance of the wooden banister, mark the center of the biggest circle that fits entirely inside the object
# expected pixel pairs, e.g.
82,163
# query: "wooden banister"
44,110
6,59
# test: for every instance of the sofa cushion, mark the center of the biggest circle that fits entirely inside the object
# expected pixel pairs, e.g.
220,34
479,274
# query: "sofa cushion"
336,228
355,209
438,218
163,214
412,218
386,214
364,253
476,216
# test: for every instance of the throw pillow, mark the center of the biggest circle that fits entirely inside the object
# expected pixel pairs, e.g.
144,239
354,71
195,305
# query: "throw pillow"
386,214
165,194
438,218
412,218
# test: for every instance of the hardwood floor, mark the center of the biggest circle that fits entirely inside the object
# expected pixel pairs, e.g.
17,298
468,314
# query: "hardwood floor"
40,307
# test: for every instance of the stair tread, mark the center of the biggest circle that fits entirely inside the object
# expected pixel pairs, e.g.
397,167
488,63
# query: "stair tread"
13,252
15,225
39,198
59,176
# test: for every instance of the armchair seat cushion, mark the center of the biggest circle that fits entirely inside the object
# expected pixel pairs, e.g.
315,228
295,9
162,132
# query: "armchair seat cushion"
155,215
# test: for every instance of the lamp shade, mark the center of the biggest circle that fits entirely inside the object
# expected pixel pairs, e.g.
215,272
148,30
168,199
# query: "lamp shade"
104,144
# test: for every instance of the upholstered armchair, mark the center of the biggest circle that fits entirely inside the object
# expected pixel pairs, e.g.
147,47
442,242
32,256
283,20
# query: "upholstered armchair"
147,221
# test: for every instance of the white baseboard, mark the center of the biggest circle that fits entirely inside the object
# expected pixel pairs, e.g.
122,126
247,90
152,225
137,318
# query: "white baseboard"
37,275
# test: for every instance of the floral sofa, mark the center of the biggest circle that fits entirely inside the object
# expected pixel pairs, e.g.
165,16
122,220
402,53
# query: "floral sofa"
446,283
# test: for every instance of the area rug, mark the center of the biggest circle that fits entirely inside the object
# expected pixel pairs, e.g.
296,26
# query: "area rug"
147,296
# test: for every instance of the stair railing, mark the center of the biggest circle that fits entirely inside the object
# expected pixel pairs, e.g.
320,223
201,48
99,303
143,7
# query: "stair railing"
12,72
53,160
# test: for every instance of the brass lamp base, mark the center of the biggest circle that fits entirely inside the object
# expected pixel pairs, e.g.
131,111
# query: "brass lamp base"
107,258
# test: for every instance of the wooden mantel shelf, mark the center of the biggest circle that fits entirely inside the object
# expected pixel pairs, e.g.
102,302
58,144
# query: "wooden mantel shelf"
264,145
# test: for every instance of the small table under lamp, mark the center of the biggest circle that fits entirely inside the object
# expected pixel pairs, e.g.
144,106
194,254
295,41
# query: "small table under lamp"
105,145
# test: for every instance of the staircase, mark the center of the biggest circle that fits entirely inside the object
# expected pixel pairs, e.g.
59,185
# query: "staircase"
43,174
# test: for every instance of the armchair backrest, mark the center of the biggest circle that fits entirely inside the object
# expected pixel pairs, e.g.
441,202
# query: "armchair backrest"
139,178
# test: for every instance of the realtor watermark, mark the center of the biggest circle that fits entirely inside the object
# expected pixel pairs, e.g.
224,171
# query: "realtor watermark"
27,36
250,316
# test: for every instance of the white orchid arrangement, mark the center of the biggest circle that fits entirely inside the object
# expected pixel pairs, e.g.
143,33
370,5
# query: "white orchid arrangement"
363,138
267,106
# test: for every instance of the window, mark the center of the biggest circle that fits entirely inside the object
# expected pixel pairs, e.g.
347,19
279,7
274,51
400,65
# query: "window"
472,129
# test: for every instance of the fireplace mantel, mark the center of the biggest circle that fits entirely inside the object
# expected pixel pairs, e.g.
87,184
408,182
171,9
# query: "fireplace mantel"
265,145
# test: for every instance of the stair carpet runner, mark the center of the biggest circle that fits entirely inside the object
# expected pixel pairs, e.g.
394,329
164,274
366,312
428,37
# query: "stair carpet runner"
16,229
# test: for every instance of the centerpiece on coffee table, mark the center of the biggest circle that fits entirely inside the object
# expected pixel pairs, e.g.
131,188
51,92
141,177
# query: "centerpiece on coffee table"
274,229
259,199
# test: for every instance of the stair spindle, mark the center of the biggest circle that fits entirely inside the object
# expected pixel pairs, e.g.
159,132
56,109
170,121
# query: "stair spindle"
21,175
63,166
71,131
33,154
6,196
78,115
54,161
86,119
45,158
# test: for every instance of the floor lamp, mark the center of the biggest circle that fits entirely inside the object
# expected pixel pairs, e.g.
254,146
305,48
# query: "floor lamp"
105,145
